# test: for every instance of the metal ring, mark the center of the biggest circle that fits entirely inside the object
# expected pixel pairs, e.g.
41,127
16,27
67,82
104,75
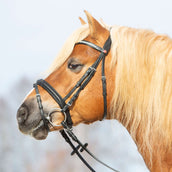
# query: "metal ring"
53,111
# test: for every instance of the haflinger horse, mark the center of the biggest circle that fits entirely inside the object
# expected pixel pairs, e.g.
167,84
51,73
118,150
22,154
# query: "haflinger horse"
139,88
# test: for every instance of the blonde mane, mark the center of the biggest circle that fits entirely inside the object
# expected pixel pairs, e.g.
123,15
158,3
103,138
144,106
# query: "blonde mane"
142,99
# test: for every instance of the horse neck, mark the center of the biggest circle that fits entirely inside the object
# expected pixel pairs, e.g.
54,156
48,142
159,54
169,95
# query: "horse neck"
157,157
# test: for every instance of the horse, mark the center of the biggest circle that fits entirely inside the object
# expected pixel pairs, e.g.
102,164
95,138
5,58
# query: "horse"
138,88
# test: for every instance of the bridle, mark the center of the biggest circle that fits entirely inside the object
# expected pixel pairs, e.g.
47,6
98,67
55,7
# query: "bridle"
80,85
67,123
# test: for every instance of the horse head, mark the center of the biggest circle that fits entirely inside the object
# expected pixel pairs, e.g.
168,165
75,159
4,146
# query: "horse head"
88,106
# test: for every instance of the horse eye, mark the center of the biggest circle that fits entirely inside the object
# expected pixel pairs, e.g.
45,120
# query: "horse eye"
75,66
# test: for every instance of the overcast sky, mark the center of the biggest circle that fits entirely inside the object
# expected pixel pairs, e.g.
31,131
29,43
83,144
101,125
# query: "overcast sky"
33,31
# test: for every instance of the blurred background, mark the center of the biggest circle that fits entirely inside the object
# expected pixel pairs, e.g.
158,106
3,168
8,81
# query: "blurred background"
31,34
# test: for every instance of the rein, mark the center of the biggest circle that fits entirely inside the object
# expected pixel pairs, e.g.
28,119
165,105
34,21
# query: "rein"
66,132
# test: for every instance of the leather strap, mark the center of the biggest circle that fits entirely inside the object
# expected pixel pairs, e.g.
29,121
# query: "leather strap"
56,96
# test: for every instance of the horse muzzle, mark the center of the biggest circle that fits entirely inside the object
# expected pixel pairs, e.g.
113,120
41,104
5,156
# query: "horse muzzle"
30,121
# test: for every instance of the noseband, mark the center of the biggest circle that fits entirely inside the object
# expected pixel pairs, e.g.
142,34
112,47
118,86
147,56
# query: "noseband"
74,93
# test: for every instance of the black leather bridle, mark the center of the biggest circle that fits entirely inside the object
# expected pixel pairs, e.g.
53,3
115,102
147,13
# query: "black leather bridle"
64,107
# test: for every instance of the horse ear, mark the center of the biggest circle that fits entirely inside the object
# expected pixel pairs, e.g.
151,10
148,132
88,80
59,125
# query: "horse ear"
82,21
96,29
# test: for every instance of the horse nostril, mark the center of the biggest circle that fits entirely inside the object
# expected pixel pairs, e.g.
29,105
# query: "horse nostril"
22,114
